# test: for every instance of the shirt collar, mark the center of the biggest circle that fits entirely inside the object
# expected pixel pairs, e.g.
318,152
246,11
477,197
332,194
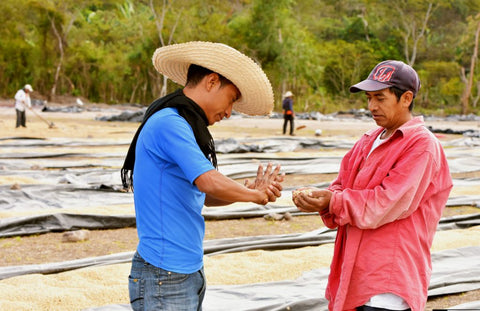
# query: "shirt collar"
406,128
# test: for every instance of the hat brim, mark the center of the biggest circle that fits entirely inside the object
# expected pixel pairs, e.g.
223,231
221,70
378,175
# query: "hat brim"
256,98
368,86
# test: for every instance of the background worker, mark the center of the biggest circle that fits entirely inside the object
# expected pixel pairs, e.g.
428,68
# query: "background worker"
288,114
386,202
22,101
173,161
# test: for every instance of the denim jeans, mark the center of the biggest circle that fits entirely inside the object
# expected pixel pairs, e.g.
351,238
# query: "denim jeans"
152,288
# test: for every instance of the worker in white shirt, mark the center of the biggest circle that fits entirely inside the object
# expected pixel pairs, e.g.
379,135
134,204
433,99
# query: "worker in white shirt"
22,101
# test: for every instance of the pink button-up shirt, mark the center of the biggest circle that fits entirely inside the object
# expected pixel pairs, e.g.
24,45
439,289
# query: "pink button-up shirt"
387,208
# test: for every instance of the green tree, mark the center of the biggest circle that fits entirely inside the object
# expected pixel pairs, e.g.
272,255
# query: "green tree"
269,31
18,47
316,48
345,64
407,20
441,87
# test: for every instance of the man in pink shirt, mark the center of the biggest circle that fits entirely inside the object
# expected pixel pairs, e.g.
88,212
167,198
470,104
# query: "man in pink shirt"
386,201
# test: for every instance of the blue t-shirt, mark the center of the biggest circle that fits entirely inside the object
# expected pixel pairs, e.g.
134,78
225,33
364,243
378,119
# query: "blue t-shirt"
168,205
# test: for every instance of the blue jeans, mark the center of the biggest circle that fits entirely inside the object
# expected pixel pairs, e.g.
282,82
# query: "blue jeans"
152,288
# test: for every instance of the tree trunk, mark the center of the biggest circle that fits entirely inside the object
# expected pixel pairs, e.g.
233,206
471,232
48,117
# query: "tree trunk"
159,23
60,40
60,61
469,83
411,61
410,31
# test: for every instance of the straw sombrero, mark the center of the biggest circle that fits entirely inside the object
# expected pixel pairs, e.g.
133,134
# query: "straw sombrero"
257,95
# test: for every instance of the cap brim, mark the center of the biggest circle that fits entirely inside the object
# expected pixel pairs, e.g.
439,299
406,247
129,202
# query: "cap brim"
368,86
256,98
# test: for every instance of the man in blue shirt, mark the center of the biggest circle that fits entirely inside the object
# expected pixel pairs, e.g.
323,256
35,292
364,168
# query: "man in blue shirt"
172,165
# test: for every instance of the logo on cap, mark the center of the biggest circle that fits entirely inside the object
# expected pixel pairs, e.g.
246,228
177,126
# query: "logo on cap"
383,73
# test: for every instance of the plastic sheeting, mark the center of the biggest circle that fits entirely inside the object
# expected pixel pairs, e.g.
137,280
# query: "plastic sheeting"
473,305
454,271
306,292
277,144
58,267
214,247
38,197
28,225
211,247
84,179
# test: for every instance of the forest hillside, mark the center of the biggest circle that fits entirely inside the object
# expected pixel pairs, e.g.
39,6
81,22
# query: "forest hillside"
101,50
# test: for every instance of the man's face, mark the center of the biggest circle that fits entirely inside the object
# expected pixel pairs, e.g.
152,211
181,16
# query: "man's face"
221,100
387,111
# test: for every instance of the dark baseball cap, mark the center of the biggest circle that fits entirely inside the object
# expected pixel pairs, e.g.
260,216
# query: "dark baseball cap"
387,74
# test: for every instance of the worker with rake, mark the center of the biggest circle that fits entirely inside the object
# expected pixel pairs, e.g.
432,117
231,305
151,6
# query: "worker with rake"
22,101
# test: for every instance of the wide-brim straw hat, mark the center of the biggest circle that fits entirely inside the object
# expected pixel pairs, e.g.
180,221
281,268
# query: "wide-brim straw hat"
255,88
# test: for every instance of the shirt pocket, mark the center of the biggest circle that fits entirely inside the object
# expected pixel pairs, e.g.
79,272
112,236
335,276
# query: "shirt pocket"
370,175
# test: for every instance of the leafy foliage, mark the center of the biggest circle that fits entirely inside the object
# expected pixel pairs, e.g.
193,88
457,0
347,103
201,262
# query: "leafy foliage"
315,48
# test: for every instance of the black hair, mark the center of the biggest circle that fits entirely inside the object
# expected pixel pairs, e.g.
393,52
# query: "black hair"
398,93
196,73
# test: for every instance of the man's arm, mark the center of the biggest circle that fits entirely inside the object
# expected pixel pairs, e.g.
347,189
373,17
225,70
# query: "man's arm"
221,190
397,197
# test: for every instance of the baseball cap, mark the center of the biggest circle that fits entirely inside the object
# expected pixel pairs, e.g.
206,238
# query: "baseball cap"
387,74
28,87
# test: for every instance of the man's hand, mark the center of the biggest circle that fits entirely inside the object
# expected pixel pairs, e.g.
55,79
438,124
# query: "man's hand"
268,181
312,200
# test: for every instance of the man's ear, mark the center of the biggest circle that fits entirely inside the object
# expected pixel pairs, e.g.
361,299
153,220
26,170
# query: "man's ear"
211,80
406,98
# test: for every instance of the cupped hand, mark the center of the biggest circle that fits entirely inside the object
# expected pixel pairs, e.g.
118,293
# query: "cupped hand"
312,200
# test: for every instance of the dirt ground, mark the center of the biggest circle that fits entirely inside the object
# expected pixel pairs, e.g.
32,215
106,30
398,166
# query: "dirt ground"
49,247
